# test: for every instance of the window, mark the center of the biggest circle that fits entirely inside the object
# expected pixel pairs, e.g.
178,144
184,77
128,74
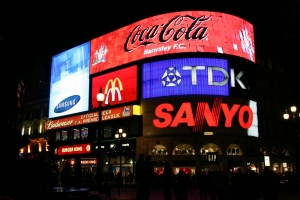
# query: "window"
76,134
107,131
210,148
84,133
57,136
64,135
158,150
183,149
234,150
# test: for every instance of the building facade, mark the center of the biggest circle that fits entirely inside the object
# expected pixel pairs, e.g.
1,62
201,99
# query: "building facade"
186,87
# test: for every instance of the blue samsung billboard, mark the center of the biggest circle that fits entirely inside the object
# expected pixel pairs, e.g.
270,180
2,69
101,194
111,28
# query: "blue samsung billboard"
186,76
69,86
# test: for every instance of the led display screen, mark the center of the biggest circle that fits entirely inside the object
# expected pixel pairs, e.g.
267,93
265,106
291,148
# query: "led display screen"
118,87
178,32
185,76
199,115
69,85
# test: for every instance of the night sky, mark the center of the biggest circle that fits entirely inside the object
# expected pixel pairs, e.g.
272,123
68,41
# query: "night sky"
34,31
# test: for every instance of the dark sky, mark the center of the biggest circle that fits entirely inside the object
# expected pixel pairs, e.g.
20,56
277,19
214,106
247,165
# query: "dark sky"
36,30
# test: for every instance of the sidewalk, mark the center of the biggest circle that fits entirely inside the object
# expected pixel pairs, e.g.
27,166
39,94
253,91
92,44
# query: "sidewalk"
157,194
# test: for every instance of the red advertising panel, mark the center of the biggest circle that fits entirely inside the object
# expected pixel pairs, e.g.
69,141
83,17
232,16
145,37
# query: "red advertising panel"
115,113
118,87
187,31
75,149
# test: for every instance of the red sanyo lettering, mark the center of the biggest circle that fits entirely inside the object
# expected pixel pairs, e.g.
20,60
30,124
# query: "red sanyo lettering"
185,115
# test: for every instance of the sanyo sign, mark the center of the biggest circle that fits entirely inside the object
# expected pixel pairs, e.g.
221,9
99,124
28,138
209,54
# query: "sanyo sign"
189,76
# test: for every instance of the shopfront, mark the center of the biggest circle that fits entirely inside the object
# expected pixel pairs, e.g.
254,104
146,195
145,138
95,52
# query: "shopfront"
119,153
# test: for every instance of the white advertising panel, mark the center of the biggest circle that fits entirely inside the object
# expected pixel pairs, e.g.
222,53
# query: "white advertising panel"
69,86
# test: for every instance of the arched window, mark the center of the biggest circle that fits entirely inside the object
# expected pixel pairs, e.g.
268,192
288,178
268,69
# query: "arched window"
158,150
234,150
183,149
263,150
275,151
285,152
210,148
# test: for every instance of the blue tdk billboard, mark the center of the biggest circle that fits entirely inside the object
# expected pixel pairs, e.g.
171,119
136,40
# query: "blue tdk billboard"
186,76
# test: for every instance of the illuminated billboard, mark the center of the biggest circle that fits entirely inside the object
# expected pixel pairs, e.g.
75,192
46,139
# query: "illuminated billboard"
69,86
198,114
178,32
185,76
118,87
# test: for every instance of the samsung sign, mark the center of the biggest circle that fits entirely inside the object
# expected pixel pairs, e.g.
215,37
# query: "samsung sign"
189,76
69,86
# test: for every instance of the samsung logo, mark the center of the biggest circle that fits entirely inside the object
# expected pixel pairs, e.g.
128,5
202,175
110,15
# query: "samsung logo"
67,104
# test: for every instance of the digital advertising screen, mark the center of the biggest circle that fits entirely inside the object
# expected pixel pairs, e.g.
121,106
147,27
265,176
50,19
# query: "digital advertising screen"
185,76
118,87
69,85
177,32
200,114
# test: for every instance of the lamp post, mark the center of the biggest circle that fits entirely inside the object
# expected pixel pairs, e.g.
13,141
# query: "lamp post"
286,116
100,99
120,135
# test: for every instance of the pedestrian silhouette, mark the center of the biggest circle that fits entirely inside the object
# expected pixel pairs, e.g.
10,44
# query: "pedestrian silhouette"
181,186
146,178
270,184
138,176
167,181
203,185
239,185
65,175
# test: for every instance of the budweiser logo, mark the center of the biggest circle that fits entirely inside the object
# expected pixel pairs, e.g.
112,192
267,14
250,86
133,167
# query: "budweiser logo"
174,30
51,124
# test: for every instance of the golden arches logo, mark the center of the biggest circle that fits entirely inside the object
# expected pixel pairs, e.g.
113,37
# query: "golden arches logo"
113,85
111,90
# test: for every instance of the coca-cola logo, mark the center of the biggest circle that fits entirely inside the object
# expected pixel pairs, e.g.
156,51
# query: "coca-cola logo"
175,29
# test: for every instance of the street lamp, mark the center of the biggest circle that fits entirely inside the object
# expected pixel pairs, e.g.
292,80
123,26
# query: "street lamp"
120,135
286,116
100,99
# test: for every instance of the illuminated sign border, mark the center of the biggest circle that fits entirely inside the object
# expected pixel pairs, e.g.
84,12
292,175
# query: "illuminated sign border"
118,87
69,82
75,149
91,117
186,76
178,32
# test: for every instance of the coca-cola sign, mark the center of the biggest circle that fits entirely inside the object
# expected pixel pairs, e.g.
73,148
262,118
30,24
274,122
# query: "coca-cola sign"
174,29
179,32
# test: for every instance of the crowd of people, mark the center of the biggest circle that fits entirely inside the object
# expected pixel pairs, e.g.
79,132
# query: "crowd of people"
215,185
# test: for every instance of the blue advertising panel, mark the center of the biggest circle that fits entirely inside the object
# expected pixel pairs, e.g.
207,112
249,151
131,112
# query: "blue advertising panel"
186,76
69,86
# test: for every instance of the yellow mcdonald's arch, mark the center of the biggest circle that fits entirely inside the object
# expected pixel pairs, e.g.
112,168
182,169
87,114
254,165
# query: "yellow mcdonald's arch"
113,85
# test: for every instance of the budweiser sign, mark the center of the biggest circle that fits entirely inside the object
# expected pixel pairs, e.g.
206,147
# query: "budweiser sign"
178,32
121,112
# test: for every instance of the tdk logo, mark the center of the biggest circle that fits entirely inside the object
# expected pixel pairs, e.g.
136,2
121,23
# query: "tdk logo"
172,77
67,104
190,76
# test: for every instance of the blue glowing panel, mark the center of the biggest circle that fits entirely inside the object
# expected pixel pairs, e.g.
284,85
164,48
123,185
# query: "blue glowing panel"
69,86
186,76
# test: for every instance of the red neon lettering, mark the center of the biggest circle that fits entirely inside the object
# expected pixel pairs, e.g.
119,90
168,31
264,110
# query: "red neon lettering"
189,119
247,124
229,113
203,111
167,117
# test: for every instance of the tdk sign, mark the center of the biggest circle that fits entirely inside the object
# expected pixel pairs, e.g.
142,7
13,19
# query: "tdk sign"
189,76
67,104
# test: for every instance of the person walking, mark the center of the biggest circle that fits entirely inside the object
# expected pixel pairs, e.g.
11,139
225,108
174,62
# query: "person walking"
167,181
146,178
139,161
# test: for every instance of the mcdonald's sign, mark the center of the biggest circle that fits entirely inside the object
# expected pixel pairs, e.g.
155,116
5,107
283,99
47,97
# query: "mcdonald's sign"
119,86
